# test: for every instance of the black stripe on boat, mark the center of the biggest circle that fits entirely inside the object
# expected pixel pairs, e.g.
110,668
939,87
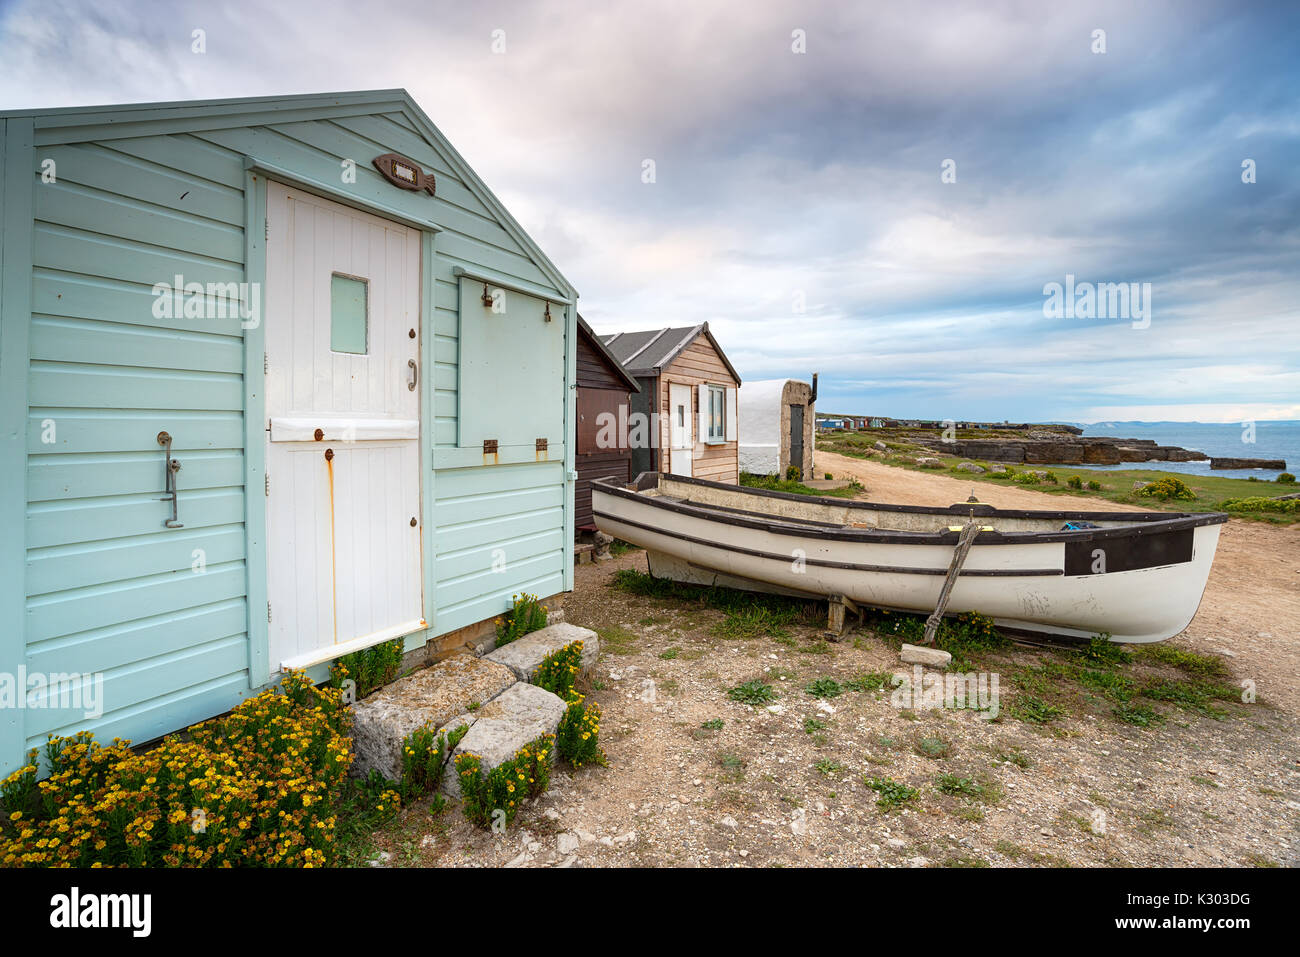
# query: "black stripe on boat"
824,563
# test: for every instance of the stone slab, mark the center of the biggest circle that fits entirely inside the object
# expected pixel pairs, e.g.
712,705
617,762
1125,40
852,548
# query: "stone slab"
523,655
432,696
520,714
934,657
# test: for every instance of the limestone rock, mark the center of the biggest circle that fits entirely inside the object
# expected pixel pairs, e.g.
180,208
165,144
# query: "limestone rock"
934,657
523,655
432,696
970,467
519,715
928,462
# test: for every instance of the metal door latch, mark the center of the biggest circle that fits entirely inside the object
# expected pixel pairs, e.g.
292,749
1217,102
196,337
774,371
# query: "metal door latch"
170,467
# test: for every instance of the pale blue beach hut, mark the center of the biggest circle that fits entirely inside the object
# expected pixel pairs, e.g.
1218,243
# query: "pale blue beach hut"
280,379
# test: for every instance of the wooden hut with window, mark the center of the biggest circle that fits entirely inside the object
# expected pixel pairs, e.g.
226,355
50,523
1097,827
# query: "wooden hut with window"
688,400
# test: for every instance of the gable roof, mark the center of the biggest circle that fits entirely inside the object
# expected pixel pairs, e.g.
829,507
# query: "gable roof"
650,352
116,121
615,366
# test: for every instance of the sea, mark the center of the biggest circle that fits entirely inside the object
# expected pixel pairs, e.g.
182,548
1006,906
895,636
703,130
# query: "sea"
1277,439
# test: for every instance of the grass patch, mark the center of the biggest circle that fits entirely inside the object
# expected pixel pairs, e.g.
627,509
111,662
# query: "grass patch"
869,681
933,746
1034,710
771,483
617,640
1138,715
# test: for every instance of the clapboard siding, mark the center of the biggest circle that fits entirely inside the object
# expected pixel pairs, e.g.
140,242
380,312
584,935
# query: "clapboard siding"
499,531
106,374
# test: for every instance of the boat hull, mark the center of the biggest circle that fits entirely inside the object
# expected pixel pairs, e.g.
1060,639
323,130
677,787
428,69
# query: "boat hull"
1044,584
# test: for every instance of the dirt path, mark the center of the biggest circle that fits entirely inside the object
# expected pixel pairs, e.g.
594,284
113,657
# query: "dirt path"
1251,608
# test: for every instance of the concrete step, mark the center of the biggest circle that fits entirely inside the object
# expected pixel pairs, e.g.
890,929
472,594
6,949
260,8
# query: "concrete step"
519,715
523,655
432,696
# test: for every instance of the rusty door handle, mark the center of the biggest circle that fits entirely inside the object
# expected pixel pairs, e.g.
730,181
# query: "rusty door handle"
410,384
170,467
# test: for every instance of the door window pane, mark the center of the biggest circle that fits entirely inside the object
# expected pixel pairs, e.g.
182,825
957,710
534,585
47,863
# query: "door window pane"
348,315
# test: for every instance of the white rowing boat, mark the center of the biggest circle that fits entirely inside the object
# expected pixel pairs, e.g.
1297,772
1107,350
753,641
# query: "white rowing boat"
1138,576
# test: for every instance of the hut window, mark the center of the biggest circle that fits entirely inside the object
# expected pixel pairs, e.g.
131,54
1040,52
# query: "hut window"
348,314
717,414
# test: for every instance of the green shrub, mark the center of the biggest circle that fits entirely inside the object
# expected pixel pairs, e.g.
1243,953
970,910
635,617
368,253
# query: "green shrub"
424,754
1259,503
498,793
260,786
527,615
1094,485
1286,478
370,668
578,738
559,669
828,477
793,473
1074,481
1050,478
1167,488
1025,478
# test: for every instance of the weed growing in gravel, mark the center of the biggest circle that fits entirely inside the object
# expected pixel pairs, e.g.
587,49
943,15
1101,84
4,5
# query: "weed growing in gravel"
1140,715
891,793
1191,662
869,681
811,725
670,653
1017,757
713,724
753,692
933,746
1100,650
828,767
824,688
1034,710
983,790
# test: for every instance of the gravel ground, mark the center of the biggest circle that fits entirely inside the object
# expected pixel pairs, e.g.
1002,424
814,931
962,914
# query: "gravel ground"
767,788
698,779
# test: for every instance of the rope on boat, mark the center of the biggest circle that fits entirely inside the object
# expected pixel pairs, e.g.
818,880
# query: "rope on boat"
964,542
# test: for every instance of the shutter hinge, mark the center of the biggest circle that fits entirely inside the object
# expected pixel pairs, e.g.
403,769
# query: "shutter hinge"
267,482
268,611
266,231
266,364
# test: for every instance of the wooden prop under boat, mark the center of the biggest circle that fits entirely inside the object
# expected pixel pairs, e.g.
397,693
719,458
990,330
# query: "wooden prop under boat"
1138,576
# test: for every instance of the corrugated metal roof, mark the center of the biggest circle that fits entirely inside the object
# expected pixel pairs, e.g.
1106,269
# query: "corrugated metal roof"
646,353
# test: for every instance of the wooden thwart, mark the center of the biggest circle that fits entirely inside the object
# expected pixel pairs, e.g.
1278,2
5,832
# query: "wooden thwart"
964,542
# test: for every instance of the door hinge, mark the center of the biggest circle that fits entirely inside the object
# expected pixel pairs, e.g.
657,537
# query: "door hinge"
268,612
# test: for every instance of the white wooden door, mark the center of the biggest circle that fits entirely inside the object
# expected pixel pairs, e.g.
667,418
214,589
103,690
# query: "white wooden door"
343,429
683,441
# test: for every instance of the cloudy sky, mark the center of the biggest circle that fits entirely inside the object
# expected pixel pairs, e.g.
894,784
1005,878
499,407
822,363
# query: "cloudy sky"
799,202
